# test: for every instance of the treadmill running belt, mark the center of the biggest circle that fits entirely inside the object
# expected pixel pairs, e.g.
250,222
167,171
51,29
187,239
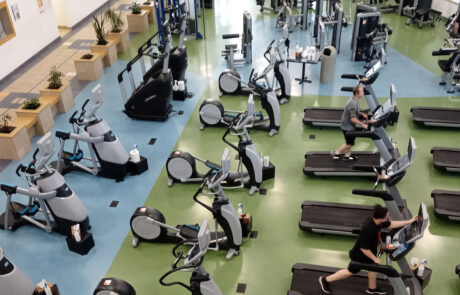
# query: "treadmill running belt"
446,201
449,157
320,114
445,115
323,162
321,213
305,281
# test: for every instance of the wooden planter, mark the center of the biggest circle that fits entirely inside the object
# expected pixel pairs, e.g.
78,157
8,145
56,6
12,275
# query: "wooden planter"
43,114
138,23
107,52
123,38
66,99
150,11
15,145
89,69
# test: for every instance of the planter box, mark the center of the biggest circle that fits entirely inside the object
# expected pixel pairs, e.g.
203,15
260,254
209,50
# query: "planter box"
123,38
138,23
43,114
15,145
89,69
66,99
107,52
150,11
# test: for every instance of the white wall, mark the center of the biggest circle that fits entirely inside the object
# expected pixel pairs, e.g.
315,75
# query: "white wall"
70,12
447,7
34,31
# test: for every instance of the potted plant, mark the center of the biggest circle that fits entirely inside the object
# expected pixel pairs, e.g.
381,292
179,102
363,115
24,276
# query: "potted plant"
102,47
138,21
41,111
147,6
117,32
89,67
58,93
5,119
14,140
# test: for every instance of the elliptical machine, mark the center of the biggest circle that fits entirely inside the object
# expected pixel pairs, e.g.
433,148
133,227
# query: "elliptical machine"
151,100
212,113
181,166
114,286
230,80
201,283
48,194
14,282
108,157
148,224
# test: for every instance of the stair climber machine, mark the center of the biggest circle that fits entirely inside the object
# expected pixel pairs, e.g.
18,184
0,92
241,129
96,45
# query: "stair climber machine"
230,80
201,282
396,246
178,61
108,157
181,166
48,197
149,224
212,112
151,99
14,282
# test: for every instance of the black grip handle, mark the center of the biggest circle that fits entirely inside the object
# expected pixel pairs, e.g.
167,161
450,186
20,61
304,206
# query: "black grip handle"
63,135
84,104
10,189
21,168
387,270
384,195
441,52
230,36
347,89
351,76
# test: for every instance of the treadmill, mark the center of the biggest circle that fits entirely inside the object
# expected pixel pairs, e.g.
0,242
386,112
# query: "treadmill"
331,117
446,204
446,159
436,117
305,276
323,164
346,219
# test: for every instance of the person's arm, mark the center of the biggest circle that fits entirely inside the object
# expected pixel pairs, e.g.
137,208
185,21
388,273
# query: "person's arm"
370,255
363,115
402,223
358,122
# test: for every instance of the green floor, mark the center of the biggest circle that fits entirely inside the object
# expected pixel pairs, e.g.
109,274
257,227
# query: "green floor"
265,263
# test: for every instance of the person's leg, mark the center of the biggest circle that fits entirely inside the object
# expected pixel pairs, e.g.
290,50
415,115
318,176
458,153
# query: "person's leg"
456,26
342,149
339,275
372,280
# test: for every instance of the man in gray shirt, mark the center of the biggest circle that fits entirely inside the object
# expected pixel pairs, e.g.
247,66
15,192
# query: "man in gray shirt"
350,118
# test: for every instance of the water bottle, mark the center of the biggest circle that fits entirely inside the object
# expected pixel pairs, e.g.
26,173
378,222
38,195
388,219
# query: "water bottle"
240,208
421,268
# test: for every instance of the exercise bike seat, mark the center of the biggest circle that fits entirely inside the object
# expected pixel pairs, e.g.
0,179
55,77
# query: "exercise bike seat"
230,36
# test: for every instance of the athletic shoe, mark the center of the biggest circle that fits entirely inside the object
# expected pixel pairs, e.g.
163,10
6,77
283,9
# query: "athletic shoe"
324,284
335,156
350,158
376,291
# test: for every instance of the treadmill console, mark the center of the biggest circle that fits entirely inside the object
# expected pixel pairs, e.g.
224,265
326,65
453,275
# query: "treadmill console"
403,162
383,111
404,239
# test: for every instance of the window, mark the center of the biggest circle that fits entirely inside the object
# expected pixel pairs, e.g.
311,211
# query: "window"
6,25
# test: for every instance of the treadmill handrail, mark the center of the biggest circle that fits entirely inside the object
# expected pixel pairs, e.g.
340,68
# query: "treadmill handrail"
386,196
366,134
350,89
387,270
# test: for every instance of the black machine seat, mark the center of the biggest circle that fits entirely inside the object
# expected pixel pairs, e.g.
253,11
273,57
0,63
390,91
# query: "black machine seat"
445,65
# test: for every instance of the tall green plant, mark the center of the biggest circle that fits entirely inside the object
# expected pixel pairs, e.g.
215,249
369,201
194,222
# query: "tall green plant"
135,8
98,25
5,119
54,78
115,19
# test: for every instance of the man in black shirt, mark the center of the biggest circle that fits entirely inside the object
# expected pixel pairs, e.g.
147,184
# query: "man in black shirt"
365,249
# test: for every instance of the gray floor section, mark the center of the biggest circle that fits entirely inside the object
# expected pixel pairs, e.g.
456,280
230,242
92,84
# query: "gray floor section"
8,103
77,85
3,164
81,44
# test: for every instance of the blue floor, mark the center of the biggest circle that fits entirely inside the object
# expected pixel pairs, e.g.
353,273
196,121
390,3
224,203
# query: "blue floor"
40,254
409,78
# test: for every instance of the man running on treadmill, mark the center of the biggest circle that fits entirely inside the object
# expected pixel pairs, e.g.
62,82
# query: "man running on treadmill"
365,249
350,118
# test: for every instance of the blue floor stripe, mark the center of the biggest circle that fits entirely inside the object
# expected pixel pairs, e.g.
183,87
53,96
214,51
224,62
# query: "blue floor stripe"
40,254
410,78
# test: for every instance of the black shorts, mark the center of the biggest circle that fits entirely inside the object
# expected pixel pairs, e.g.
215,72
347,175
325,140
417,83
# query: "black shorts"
349,139
354,270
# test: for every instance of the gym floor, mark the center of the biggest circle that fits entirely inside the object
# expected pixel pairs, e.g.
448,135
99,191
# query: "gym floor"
265,262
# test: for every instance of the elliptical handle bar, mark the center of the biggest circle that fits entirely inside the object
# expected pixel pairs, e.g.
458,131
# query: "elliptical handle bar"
72,118
269,47
21,167
352,76
162,282
84,105
230,127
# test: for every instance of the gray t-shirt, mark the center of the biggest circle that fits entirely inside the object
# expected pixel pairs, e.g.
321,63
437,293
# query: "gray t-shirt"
351,111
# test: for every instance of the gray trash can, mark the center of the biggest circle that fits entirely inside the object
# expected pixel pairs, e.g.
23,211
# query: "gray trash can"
328,58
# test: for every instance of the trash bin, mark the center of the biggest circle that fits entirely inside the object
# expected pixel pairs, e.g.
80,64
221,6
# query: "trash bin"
328,58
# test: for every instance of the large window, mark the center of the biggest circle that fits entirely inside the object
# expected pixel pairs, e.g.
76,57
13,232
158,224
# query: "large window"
6,25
